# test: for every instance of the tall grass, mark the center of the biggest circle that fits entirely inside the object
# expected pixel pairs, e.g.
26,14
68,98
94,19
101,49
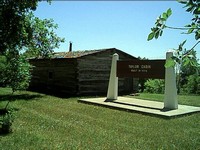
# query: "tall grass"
47,122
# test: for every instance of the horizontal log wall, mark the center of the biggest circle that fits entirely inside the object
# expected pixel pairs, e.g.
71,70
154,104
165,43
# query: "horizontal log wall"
93,75
94,72
56,75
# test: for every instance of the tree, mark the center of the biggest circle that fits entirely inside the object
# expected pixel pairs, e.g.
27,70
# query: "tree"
15,29
23,35
182,56
2,68
16,73
43,37
188,70
193,85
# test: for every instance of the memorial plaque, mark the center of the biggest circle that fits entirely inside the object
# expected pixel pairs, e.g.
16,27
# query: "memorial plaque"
154,69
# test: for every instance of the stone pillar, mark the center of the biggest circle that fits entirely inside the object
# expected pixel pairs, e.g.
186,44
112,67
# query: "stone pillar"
113,81
170,97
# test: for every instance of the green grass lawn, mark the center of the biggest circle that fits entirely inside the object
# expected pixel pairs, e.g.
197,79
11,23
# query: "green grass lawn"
47,122
192,100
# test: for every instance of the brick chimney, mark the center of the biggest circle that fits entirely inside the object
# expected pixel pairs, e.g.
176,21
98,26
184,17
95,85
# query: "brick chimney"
70,46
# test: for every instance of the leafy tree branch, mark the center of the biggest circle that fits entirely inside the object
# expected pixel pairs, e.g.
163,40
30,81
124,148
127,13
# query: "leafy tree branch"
180,28
182,55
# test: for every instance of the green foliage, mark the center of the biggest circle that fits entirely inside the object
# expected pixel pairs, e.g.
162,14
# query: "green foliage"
3,61
182,55
193,7
22,32
16,73
13,22
44,40
193,85
154,86
185,69
6,120
160,25
170,62
188,68
14,29
21,29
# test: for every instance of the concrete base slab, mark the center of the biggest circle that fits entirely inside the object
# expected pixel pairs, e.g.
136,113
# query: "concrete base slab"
142,106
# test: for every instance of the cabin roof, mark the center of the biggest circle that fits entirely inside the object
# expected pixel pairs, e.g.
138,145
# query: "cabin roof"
82,53
74,54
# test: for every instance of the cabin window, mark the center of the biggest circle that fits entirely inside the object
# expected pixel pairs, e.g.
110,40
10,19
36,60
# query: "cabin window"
50,75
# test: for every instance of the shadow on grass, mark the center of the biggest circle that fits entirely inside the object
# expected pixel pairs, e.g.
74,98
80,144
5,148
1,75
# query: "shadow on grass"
10,97
58,93
51,93
3,133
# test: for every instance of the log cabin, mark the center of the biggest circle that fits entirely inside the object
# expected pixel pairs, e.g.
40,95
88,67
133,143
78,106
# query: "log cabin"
79,73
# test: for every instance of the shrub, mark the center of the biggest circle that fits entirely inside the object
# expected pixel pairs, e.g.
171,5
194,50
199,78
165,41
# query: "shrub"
154,86
6,121
193,85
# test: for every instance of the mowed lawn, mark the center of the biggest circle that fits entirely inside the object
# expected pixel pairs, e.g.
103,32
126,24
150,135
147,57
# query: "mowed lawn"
48,122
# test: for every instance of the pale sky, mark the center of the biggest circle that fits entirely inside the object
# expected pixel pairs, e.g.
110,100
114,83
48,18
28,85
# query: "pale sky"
124,25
